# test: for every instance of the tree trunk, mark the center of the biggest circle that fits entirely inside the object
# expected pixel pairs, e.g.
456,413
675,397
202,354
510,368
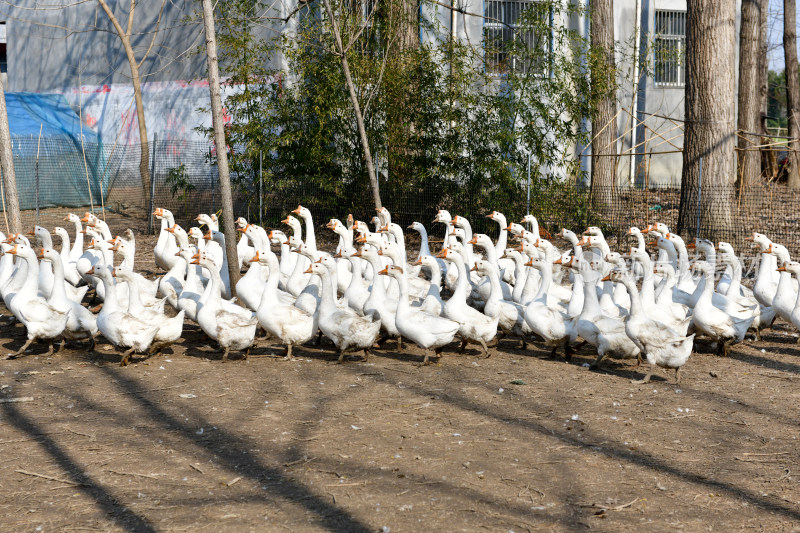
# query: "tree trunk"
7,164
792,89
604,124
749,101
768,164
710,121
222,151
373,179
124,36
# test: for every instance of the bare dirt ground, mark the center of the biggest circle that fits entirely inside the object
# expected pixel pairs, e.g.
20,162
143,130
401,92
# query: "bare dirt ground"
516,442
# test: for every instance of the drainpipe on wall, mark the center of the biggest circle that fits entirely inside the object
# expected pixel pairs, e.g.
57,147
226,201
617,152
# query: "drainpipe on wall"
637,27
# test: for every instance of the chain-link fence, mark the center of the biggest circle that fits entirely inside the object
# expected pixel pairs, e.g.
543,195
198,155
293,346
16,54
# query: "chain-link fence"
185,181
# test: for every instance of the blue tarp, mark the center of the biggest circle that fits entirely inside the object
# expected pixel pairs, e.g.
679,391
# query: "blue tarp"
27,112
52,167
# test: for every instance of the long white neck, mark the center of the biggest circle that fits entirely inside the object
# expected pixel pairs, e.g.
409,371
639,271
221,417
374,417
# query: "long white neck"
636,301
460,292
77,245
58,295
310,241
502,239
110,302
424,248
591,304
544,285
270,295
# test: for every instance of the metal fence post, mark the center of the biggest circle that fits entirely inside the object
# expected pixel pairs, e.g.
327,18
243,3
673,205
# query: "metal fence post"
528,201
260,186
152,184
699,195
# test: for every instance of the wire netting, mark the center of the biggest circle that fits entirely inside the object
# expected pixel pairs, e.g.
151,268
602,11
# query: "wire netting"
185,180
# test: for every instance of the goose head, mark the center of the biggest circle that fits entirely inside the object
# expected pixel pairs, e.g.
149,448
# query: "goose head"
302,212
418,227
384,215
276,236
498,217
443,216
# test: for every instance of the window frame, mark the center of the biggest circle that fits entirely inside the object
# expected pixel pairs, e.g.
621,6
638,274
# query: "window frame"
499,24
675,66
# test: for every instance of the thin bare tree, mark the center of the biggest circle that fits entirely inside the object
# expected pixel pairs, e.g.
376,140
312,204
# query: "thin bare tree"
362,132
792,90
749,84
222,151
604,129
124,35
7,165
709,138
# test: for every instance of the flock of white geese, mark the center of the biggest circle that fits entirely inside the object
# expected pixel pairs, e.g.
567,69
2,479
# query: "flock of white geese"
630,306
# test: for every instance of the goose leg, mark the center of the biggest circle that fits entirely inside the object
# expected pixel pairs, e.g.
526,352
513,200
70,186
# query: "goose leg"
677,375
341,357
126,357
463,346
399,343
366,354
21,350
91,345
288,356
596,363
319,338
49,350
61,345
225,355
567,351
646,379
425,360
485,349
247,353
553,353
524,344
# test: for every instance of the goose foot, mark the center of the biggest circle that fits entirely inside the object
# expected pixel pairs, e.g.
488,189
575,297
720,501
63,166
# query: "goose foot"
341,357
61,345
596,364
49,350
247,353
646,379
367,354
90,348
524,345
21,351
287,354
553,353
463,346
225,355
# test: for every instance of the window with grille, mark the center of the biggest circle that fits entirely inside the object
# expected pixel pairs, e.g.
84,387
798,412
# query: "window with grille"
669,47
509,44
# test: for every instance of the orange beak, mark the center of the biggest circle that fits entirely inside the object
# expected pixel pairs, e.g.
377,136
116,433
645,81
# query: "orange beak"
32,233
385,271
607,278
750,238
474,267
90,271
309,271
40,255
690,246
255,257
509,228
473,240
442,254
530,262
418,261
297,211
781,269
207,236
361,239
556,262
66,218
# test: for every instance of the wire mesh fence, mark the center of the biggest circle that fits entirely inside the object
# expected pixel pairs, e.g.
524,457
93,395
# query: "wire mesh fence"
185,181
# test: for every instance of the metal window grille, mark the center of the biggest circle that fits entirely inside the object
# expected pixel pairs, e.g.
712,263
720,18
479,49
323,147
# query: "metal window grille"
669,48
503,32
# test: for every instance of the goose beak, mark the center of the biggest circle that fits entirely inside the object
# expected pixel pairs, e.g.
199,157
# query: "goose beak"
240,230
32,233
297,211
557,262
114,273
361,239
90,271
490,215
338,255
418,261
781,269
442,254
690,246
385,271
583,242
509,228
607,278
66,218
207,236
171,230
530,263
285,220
474,268
255,257
357,254
308,271
473,240
40,255
380,252
751,238
652,243
178,252
194,262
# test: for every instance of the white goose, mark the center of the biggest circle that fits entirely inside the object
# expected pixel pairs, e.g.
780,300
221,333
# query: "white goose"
290,325
41,320
344,327
166,247
120,328
233,327
429,332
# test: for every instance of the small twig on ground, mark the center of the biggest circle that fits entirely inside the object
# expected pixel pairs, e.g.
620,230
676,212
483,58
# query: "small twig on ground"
50,478
151,476
233,481
196,467
17,400
360,483
304,460
81,434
